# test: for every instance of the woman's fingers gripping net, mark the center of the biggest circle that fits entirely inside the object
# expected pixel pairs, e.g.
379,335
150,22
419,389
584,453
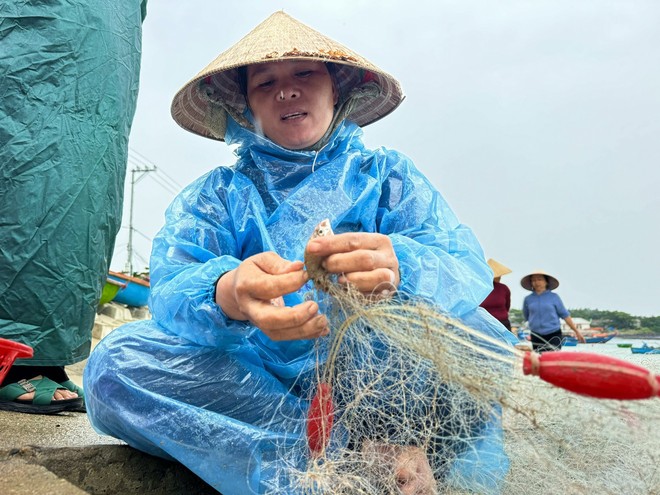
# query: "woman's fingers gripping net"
365,260
255,294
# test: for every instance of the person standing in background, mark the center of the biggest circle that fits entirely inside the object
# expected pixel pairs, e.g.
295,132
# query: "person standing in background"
70,73
542,310
498,302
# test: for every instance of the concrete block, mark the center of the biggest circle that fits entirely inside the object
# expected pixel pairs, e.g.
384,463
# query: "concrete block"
100,330
141,313
117,312
18,477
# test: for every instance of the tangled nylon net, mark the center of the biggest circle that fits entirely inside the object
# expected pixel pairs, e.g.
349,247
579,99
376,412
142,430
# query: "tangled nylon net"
407,394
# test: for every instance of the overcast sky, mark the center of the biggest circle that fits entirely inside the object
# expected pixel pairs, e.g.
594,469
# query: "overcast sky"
539,121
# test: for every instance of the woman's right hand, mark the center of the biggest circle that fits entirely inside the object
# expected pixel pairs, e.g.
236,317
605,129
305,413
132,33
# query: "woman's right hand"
254,291
580,337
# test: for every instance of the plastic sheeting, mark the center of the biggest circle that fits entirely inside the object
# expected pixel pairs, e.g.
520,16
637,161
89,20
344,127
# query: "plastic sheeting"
217,394
68,94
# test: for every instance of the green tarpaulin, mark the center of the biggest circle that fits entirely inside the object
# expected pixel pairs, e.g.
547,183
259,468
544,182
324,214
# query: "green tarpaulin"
69,74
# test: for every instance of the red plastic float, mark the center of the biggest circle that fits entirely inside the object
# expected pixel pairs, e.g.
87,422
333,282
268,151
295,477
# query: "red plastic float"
594,375
319,419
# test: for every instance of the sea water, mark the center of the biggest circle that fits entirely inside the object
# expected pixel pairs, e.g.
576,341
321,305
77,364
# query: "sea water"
648,361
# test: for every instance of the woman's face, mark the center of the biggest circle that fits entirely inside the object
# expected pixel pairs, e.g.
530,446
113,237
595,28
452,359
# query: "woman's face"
539,283
292,101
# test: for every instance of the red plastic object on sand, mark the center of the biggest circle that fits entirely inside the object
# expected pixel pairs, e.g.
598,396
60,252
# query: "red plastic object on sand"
595,375
9,352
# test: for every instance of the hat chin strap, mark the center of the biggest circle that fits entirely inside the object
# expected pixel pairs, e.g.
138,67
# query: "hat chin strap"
216,117
359,95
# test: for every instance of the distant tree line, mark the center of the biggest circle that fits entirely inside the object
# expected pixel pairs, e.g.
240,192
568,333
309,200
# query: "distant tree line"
617,320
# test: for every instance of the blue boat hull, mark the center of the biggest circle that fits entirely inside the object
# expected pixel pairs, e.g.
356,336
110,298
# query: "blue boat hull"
589,340
645,350
135,293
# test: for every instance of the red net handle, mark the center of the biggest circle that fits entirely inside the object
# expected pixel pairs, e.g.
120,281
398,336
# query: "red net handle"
18,350
594,375
9,352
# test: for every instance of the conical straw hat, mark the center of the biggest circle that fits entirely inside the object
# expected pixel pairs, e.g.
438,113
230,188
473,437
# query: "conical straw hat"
201,105
526,281
498,268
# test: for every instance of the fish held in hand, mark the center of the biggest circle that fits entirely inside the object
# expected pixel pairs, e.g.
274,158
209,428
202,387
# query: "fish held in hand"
314,263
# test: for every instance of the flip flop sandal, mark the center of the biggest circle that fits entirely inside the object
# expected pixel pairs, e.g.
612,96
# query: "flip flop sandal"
42,403
69,385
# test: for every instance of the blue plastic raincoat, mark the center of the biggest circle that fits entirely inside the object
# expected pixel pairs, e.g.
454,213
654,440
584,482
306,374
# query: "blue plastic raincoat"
217,394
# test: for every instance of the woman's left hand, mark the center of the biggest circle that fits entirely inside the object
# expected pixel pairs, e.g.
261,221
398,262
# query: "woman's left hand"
365,260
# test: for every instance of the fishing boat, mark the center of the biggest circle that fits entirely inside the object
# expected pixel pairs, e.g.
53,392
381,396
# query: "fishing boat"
595,339
568,342
600,339
110,290
645,349
135,292
624,345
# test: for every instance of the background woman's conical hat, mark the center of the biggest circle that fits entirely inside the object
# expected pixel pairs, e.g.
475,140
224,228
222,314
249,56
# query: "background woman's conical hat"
526,281
279,37
498,268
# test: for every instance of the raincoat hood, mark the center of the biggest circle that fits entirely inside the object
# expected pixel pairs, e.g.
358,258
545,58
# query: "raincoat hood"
252,144
281,169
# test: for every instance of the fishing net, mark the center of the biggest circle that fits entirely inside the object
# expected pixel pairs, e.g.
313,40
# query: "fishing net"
411,401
